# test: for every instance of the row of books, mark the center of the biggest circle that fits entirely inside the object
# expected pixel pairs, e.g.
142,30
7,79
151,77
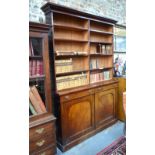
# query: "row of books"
36,68
96,77
64,65
71,81
65,53
36,104
96,63
104,49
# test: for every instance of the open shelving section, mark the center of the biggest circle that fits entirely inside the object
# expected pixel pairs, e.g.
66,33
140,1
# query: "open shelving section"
82,47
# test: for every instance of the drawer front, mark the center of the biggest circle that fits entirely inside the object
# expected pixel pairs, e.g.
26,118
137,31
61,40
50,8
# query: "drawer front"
76,95
103,88
41,136
42,143
41,131
47,151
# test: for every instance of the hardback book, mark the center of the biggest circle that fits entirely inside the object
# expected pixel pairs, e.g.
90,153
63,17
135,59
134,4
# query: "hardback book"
103,49
99,48
34,67
37,96
32,109
31,48
35,103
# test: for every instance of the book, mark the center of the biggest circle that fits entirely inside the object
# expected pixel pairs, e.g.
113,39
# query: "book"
32,108
34,102
34,64
99,48
31,48
39,100
103,49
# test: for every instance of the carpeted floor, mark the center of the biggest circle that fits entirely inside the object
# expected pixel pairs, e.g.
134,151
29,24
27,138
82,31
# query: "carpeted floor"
118,147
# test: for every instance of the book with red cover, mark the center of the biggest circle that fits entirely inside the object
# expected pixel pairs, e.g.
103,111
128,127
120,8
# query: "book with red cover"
36,94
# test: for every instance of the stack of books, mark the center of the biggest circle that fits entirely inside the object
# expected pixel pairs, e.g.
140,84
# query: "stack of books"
36,104
97,77
36,68
63,66
65,53
71,81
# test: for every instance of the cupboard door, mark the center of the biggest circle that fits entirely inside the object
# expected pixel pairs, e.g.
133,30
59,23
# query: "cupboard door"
77,117
105,106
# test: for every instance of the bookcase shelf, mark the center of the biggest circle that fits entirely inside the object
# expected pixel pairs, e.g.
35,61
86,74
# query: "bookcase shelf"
37,78
101,32
101,42
66,27
100,54
71,73
100,69
35,57
70,40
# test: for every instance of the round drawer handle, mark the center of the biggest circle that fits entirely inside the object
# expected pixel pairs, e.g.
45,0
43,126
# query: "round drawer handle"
41,143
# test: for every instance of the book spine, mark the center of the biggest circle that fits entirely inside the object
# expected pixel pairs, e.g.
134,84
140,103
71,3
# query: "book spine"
31,47
33,67
30,68
32,109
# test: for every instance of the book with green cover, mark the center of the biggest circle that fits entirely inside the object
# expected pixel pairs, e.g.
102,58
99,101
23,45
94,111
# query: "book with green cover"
32,109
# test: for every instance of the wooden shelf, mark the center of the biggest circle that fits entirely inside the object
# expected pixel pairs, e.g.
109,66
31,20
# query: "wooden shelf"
101,81
70,73
100,42
35,57
99,69
70,40
101,32
66,27
37,78
100,54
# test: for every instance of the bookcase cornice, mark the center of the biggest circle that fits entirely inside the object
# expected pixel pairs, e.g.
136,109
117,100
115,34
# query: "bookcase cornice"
52,7
38,27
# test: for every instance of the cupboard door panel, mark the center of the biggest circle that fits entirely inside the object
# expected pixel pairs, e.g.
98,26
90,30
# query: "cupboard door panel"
104,106
78,117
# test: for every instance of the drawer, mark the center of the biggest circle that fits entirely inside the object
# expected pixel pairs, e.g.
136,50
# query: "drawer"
102,88
43,130
47,151
42,143
76,95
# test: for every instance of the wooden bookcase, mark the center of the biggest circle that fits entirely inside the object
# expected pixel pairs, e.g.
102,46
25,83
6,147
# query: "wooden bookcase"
42,138
84,90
